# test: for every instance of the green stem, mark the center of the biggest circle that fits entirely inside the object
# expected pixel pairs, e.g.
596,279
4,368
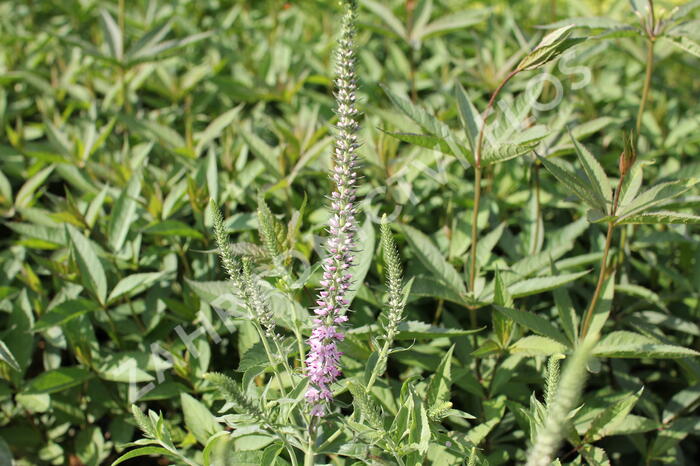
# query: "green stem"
270,358
603,264
310,455
647,83
477,178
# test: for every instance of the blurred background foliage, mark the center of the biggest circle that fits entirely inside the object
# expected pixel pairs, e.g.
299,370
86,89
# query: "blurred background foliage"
120,120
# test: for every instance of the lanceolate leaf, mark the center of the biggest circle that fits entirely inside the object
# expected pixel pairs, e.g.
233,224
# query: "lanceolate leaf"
624,344
122,215
611,417
595,173
660,217
581,188
534,323
91,271
432,258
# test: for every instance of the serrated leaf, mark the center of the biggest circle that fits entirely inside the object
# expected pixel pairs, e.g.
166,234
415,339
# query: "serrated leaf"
535,345
625,344
595,173
684,43
429,123
654,196
611,417
439,387
572,182
26,193
534,323
143,451
411,330
432,258
660,217
550,47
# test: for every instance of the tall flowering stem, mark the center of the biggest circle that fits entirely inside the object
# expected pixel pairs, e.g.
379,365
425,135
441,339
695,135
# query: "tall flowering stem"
323,360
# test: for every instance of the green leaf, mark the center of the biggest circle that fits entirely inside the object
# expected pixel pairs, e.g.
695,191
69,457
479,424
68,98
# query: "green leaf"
112,35
468,115
432,258
429,123
134,284
572,181
624,344
25,195
122,215
681,402
611,417
199,419
439,386
143,451
424,140
412,330
534,323
503,152
550,47
452,22
57,380
595,173
7,356
91,272
215,128
387,16
173,228
65,312
538,285
363,259
660,217
535,345
654,196
684,43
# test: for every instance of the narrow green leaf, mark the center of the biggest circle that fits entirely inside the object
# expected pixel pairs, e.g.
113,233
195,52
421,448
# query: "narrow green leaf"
7,356
122,215
57,380
469,115
624,344
611,417
572,181
595,173
25,195
660,217
91,271
112,35
534,323
432,258
143,451
65,312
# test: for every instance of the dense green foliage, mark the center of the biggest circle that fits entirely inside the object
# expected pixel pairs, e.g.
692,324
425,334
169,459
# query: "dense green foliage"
121,121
